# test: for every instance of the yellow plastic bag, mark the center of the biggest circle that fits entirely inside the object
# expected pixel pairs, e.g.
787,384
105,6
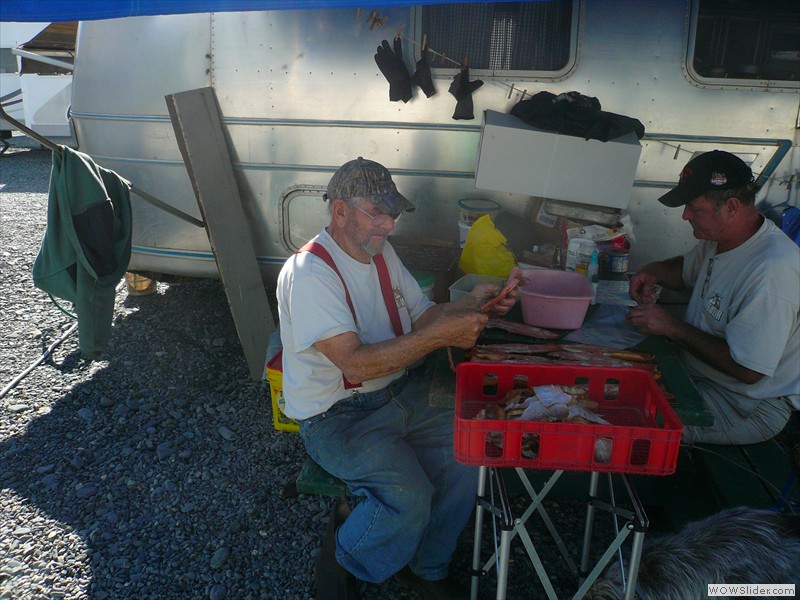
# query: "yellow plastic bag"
485,251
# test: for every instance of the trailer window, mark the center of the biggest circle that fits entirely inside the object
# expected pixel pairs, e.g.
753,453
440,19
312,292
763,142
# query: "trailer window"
8,61
502,38
35,67
753,40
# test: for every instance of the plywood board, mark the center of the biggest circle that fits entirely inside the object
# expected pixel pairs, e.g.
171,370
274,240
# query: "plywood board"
201,138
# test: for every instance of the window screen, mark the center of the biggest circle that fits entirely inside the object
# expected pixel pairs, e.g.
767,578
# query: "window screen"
502,36
748,39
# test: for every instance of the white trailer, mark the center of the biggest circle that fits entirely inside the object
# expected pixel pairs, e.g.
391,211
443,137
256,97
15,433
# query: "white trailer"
300,93
36,75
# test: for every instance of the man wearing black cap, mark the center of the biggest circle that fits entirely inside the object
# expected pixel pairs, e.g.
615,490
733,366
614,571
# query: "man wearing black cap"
353,321
740,330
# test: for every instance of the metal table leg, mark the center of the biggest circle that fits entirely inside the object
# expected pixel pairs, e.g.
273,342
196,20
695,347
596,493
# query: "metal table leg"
640,526
637,524
476,543
594,480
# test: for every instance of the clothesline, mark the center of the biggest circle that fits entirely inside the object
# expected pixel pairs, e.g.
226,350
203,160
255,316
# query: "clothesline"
375,20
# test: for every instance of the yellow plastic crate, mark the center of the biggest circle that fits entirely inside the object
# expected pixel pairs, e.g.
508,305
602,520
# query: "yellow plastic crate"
275,378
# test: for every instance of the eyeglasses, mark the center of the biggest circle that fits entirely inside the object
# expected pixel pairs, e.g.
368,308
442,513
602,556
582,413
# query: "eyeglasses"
708,277
380,219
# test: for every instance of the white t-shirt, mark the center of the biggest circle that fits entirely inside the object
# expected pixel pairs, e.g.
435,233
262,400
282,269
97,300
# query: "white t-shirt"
312,306
750,296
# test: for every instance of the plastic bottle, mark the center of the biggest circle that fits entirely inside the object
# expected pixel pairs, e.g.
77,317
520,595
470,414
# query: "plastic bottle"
555,263
592,274
585,253
579,250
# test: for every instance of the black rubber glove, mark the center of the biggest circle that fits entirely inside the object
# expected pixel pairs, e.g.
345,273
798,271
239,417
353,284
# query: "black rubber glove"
462,88
394,69
422,76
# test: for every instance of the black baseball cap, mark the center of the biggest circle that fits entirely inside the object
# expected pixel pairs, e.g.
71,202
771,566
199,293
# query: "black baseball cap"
362,178
710,171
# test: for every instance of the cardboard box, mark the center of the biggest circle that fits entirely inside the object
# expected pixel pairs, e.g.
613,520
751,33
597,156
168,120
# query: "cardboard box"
546,228
517,158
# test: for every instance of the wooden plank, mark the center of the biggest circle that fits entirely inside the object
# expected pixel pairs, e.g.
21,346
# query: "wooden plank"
770,461
732,476
674,500
198,129
315,480
689,404
443,381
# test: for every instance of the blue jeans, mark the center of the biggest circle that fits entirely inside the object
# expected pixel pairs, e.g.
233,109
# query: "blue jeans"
396,451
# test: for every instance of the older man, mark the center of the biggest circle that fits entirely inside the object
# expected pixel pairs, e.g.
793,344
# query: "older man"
741,326
354,323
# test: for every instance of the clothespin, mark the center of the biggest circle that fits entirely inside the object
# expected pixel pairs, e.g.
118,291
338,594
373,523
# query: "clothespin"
373,17
442,57
524,93
383,22
424,42
465,63
399,31
678,149
358,13
510,91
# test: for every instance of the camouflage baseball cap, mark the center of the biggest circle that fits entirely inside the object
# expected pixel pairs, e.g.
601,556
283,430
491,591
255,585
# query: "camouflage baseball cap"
361,178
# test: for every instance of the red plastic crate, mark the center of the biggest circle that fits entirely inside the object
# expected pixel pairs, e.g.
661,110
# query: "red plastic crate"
644,434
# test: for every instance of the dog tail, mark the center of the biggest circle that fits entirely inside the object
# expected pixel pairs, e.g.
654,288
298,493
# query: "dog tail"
789,523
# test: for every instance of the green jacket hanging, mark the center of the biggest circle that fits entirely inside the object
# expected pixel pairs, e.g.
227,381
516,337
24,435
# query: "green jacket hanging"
87,244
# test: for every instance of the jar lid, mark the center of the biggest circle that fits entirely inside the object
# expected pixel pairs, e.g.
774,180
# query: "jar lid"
478,204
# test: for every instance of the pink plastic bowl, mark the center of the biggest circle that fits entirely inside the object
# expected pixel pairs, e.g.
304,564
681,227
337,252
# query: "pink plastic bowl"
555,299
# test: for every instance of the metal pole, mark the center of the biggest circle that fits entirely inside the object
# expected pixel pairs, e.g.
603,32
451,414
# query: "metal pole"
42,59
38,361
49,144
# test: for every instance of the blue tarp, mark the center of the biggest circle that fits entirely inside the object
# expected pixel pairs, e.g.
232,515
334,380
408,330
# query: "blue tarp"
89,10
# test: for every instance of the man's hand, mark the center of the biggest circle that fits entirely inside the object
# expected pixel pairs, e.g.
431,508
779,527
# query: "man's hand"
667,273
651,318
712,350
642,288
483,292
459,328
449,324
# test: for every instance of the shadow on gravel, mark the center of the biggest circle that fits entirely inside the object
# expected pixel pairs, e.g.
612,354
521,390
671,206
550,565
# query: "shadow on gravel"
15,180
164,460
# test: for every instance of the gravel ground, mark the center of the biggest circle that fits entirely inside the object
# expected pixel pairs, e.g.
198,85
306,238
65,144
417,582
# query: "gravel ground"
155,472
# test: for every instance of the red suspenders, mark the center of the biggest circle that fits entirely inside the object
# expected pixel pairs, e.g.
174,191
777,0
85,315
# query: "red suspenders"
319,250
388,294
